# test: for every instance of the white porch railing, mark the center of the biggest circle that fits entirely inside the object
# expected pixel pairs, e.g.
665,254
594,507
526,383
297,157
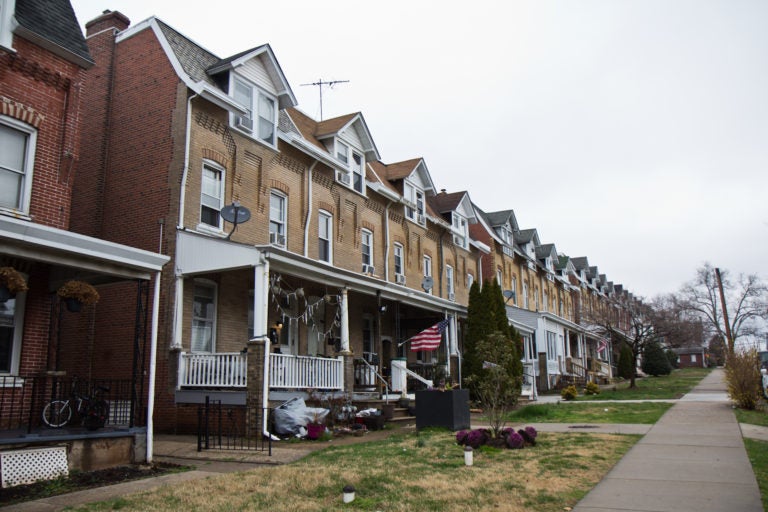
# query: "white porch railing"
219,370
301,372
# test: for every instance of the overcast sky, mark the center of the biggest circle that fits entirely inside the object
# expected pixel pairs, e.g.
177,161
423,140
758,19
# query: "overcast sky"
631,132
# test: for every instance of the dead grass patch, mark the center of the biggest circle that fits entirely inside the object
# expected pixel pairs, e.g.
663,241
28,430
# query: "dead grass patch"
407,472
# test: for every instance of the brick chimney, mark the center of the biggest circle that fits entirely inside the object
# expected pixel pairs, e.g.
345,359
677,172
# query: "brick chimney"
108,19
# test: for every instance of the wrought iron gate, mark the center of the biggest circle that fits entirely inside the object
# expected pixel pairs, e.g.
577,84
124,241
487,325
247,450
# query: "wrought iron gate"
231,427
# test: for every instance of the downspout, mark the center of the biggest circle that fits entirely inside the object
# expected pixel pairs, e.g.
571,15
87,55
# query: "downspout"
152,368
386,241
178,312
309,209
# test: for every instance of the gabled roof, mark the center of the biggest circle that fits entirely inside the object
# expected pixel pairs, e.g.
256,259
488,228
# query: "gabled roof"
407,168
53,25
454,201
503,217
546,250
315,131
563,262
525,236
581,263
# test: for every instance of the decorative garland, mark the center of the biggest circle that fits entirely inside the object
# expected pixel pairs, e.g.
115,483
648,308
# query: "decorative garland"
307,315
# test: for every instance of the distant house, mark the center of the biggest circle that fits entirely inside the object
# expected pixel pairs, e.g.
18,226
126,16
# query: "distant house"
691,357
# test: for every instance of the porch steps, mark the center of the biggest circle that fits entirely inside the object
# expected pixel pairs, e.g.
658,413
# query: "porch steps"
399,414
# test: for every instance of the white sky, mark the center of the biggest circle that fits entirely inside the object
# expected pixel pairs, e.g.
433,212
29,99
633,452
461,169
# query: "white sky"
633,132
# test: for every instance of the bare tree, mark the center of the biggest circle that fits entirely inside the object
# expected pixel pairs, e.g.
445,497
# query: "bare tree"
746,301
628,320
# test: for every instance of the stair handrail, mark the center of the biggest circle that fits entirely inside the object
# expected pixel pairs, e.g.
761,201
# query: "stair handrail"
418,377
378,377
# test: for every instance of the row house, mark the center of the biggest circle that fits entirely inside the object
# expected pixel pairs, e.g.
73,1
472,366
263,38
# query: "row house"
51,353
301,260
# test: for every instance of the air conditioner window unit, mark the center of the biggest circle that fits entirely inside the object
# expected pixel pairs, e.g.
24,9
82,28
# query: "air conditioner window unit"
420,219
369,269
245,123
343,177
451,296
277,239
400,278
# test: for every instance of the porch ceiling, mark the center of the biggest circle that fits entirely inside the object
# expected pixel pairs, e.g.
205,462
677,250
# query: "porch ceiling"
25,239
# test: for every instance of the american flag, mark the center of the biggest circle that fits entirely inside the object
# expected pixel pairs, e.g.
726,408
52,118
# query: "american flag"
429,338
602,345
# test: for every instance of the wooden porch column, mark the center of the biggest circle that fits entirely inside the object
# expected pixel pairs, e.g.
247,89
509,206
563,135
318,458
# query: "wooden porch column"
258,349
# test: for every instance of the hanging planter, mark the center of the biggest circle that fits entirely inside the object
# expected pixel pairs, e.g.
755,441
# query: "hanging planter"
76,293
11,283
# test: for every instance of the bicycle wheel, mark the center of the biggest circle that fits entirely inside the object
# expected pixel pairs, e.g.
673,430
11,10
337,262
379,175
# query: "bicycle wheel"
57,413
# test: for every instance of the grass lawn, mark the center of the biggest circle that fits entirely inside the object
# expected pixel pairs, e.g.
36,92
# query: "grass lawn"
758,456
757,417
405,472
646,413
674,385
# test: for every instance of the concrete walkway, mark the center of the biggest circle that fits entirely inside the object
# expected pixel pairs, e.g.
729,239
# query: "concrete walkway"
692,459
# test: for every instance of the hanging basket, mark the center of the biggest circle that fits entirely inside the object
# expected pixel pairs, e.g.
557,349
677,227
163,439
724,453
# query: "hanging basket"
77,293
73,305
11,283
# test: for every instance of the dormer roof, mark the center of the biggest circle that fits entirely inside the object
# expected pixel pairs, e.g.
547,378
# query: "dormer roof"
408,168
526,236
502,218
317,131
546,251
52,24
455,201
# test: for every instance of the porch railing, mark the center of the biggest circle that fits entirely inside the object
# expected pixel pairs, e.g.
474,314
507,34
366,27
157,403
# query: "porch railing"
219,370
301,372
529,381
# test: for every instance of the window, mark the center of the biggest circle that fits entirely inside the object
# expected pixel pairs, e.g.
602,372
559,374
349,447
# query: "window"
204,317
17,156
342,152
499,276
358,175
514,289
414,210
277,207
246,94
324,231
459,225
367,242
693,358
525,295
11,326
551,346
399,259
470,280
529,344
212,195
428,270
505,235
368,329
544,299
449,282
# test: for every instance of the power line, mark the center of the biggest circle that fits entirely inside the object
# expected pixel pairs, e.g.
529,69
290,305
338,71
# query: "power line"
319,84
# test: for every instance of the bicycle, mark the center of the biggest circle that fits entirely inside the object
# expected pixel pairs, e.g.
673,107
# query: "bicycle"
92,410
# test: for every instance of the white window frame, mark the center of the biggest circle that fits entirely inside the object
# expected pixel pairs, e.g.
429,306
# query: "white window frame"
398,259
499,277
255,112
25,187
213,288
427,267
278,225
414,196
7,10
19,305
342,152
460,230
514,289
449,282
209,165
470,280
358,172
525,295
366,246
529,343
325,234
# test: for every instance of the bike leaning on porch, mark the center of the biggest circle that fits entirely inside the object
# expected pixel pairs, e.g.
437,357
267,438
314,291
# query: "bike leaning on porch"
93,410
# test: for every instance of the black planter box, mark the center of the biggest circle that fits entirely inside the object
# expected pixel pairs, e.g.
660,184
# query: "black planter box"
447,409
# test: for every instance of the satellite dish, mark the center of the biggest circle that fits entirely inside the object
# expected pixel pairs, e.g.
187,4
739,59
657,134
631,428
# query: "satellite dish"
235,214
508,294
427,283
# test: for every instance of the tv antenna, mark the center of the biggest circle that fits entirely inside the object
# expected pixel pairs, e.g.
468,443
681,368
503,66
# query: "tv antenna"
319,84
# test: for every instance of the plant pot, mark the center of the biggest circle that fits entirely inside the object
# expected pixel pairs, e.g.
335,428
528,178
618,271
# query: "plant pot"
447,409
314,431
388,411
5,294
73,305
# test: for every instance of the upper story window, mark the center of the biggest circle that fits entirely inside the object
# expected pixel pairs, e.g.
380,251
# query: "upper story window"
204,317
525,295
212,195
427,265
470,280
6,23
505,234
414,197
459,225
499,277
354,176
367,249
277,217
17,157
399,260
449,282
260,119
324,232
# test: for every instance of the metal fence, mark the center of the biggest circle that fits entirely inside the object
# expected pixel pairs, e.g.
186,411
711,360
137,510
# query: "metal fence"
231,427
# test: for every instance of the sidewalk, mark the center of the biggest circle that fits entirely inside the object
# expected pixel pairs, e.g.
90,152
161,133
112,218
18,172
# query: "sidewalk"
692,459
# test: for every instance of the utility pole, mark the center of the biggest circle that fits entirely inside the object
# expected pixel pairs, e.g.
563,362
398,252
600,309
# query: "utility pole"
728,335
319,84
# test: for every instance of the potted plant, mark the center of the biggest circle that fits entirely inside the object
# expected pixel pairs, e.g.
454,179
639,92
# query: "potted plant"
11,283
77,293
316,427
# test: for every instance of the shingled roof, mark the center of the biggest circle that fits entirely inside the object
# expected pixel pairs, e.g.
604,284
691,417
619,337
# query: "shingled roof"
53,25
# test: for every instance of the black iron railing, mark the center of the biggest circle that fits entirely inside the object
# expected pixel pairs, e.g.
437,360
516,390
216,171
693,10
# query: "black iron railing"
231,427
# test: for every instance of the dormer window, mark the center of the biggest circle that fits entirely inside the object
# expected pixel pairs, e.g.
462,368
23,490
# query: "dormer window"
505,235
414,198
260,119
354,176
459,226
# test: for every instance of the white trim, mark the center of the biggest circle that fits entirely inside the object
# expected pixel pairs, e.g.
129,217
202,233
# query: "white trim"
18,334
29,163
211,285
